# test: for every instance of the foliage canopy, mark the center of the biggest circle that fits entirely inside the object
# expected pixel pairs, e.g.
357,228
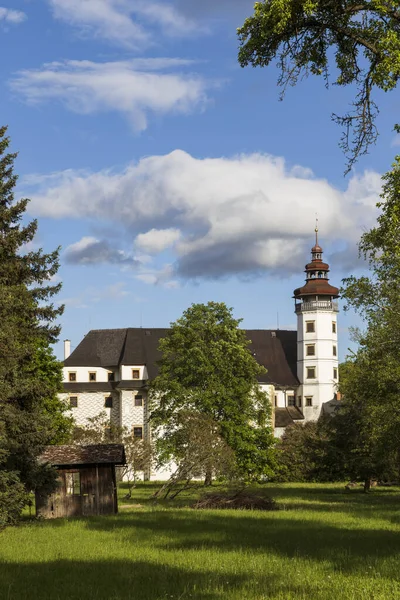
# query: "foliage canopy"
207,368
360,38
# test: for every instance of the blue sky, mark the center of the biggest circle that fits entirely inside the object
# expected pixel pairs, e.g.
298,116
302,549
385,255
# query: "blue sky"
168,174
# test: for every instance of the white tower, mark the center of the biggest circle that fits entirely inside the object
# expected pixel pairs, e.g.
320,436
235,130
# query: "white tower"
317,349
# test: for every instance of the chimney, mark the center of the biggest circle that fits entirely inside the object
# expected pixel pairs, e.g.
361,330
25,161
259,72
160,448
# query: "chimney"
67,348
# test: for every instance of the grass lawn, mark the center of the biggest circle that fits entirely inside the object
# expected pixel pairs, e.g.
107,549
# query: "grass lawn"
324,543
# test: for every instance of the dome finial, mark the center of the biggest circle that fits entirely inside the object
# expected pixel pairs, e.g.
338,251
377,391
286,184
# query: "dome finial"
316,229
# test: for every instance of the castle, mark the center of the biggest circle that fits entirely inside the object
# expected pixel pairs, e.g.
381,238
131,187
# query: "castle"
110,369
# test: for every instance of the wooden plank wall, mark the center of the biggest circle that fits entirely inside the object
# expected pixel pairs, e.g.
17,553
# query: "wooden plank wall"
97,494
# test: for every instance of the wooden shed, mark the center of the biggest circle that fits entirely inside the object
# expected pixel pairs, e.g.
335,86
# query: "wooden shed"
87,482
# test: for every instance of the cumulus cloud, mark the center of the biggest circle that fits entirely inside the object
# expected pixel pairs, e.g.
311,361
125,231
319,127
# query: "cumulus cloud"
157,240
134,88
123,22
91,251
8,15
243,215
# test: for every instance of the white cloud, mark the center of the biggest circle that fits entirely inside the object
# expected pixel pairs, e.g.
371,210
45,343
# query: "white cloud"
163,277
157,240
134,88
8,15
242,215
123,22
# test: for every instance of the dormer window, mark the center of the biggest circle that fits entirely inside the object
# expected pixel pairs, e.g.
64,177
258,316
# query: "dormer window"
135,374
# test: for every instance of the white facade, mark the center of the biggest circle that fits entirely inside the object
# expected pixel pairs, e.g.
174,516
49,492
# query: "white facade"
317,355
121,391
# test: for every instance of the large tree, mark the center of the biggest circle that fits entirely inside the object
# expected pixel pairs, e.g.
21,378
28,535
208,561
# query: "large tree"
30,414
357,40
371,385
207,368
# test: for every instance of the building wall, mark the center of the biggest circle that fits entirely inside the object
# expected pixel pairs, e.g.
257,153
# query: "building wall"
131,415
322,388
82,373
91,404
126,371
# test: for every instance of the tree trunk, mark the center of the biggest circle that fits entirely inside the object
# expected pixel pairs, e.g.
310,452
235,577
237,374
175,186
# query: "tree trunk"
367,485
208,478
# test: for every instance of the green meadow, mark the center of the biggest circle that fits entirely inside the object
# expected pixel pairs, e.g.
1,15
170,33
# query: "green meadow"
323,543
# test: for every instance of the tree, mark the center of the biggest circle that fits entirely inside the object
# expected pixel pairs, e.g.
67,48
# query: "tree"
311,452
29,377
193,440
362,38
372,381
138,452
207,369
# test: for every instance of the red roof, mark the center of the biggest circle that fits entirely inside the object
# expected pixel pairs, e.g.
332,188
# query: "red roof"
317,265
317,287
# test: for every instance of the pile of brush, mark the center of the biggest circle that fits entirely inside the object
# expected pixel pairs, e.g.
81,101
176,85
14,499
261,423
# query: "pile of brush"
242,500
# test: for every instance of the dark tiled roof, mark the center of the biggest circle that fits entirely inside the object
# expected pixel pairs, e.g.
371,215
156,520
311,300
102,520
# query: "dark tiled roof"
131,384
99,348
276,351
330,408
286,416
106,386
84,455
89,386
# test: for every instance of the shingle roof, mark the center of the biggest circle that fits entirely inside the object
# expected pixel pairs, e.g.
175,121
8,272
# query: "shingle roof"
83,455
99,348
275,350
286,416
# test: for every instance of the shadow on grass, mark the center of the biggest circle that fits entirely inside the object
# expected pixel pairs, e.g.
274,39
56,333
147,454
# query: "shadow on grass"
346,549
112,580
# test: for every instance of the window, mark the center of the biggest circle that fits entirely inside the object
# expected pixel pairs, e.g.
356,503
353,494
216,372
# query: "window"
71,376
310,350
291,401
276,400
138,433
73,401
308,400
310,372
135,373
333,326
110,376
334,350
92,375
299,401
335,372
108,402
138,400
73,483
310,326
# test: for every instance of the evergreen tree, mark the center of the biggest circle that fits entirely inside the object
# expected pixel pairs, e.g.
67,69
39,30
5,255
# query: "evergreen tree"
207,368
30,415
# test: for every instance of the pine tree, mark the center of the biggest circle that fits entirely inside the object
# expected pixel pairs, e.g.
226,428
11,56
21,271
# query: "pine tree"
29,375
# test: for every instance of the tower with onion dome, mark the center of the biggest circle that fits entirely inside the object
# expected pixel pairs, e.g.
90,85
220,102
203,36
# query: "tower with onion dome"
317,349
